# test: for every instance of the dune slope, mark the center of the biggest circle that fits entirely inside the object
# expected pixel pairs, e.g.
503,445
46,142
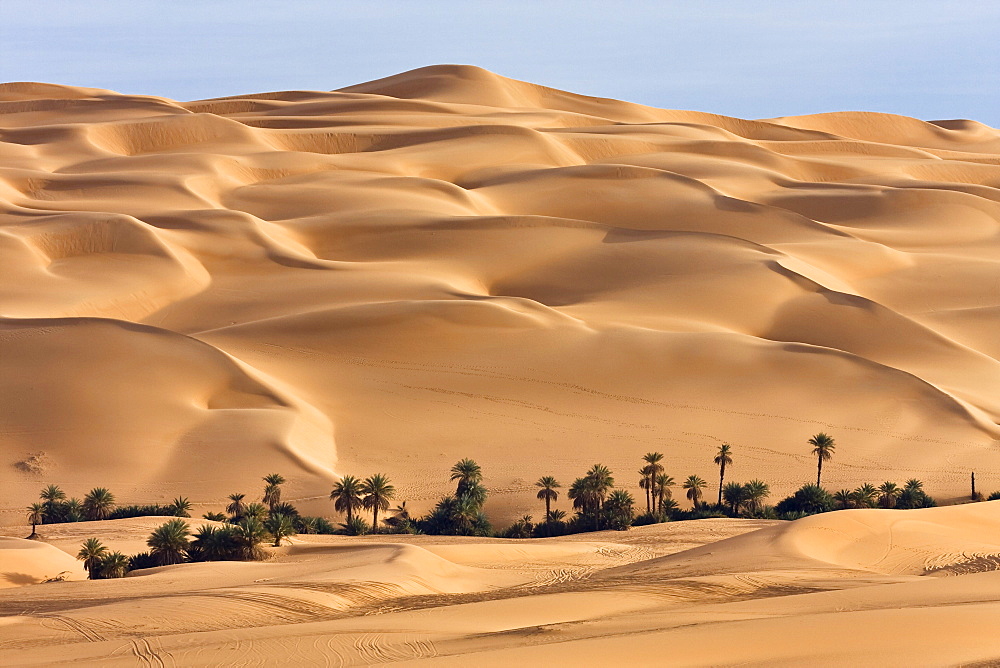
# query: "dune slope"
449,263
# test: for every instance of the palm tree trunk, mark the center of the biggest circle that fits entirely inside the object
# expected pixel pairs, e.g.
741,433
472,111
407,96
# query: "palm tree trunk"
819,470
548,512
649,508
722,476
375,520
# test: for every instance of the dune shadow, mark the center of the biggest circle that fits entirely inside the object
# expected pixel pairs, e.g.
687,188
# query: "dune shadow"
19,578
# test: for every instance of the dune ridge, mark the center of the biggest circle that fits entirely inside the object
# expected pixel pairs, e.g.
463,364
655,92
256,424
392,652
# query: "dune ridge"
448,263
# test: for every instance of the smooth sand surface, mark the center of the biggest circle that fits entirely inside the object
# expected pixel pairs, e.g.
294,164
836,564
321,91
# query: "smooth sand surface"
447,263
892,587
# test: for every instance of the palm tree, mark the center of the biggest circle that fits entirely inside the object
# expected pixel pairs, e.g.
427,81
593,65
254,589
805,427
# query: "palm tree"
36,515
169,542
865,496
652,469
661,490
251,533
346,496
279,526
115,565
888,492
51,496
547,486
823,447
257,511
377,494
618,509
556,515
757,492
694,485
467,473
181,507
723,458
272,492
236,508
98,504
72,510
91,552
844,499
735,495
646,484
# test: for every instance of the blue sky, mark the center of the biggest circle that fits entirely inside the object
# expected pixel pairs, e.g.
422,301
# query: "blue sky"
743,58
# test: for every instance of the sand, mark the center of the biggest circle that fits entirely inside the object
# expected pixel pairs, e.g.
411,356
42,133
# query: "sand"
447,263
914,587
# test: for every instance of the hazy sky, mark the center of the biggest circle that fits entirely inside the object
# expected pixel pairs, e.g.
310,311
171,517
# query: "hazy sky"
743,58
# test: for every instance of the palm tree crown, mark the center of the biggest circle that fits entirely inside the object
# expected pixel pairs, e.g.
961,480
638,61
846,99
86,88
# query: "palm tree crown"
98,504
346,496
823,447
169,542
694,485
467,473
236,508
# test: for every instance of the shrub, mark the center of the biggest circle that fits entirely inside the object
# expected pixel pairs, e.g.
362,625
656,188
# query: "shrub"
356,526
154,510
995,496
142,560
523,528
215,517
809,499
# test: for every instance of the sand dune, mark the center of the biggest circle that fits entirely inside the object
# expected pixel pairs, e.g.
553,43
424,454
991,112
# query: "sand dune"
898,587
447,263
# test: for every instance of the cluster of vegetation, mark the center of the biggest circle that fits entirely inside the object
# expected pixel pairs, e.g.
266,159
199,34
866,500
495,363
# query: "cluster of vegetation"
245,528
598,505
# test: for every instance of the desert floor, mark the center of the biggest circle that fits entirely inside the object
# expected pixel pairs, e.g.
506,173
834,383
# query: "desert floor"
857,587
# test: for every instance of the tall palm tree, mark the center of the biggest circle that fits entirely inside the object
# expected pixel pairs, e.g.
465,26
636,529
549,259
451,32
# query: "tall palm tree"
723,458
652,469
98,504
279,526
346,496
547,486
757,492
888,493
646,484
272,492
823,447
51,496
467,473
661,490
694,485
169,542
114,565
377,493
236,508
91,552
36,515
